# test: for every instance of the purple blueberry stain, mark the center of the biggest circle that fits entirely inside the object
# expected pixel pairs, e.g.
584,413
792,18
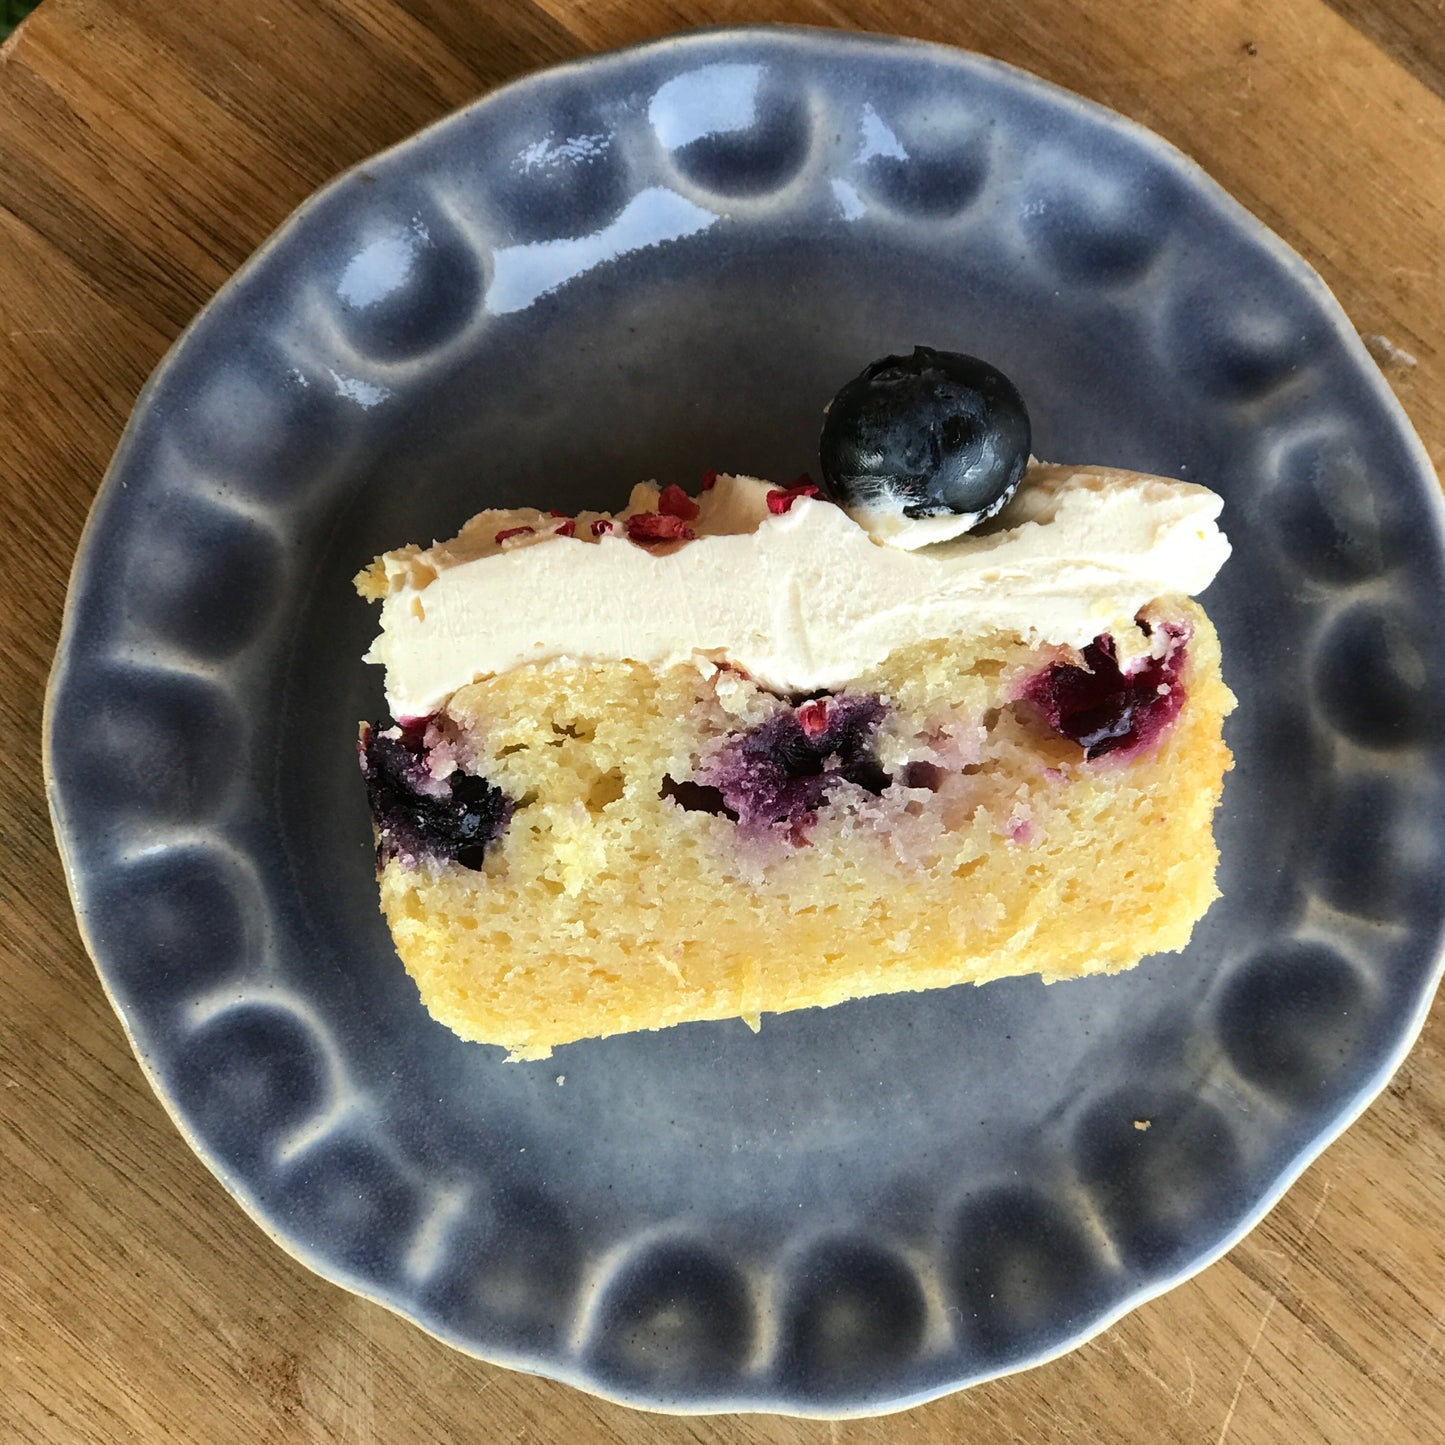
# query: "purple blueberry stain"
419,816
1106,710
782,771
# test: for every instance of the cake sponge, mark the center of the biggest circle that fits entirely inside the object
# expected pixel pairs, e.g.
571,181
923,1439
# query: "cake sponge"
642,847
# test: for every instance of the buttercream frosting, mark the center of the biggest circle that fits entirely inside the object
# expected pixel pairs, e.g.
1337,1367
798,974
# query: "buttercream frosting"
803,599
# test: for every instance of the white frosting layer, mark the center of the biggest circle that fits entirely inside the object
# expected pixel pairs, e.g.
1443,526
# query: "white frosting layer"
802,600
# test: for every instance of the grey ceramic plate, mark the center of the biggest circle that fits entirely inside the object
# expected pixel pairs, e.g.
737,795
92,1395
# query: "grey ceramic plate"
644,265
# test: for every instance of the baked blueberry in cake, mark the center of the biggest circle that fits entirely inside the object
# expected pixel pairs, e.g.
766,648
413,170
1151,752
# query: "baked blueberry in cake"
947,715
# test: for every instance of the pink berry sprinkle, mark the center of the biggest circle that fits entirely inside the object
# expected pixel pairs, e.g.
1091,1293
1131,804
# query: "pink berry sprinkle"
813,717
674,502
654,527
781,500
601,527
508,532
566,528
709,480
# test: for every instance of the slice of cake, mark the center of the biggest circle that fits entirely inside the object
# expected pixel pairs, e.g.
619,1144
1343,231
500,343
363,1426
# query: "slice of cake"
752,750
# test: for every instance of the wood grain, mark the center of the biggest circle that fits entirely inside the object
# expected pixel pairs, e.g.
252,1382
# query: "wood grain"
1412,32
146,147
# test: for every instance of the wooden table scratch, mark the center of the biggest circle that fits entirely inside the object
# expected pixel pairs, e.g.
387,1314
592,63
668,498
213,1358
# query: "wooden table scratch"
1290,1261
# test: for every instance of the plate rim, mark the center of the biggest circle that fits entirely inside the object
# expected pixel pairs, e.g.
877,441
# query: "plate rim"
690,40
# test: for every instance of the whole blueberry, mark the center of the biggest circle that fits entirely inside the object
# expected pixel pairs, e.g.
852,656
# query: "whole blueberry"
927,434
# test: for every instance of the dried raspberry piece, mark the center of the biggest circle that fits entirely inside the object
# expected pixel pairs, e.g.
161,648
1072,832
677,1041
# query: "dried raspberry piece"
813,717
709,480
507,532
781,500
568,528
602,526
674,502
653,527
555,513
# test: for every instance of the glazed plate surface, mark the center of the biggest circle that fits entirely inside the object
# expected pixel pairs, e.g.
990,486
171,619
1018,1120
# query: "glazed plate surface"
642,266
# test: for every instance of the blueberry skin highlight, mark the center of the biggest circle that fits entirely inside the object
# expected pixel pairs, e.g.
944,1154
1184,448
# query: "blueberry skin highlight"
928,434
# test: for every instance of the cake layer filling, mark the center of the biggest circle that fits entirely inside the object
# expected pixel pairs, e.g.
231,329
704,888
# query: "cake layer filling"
782,585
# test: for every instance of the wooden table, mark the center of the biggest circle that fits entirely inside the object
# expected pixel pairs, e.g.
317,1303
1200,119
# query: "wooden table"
146,146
